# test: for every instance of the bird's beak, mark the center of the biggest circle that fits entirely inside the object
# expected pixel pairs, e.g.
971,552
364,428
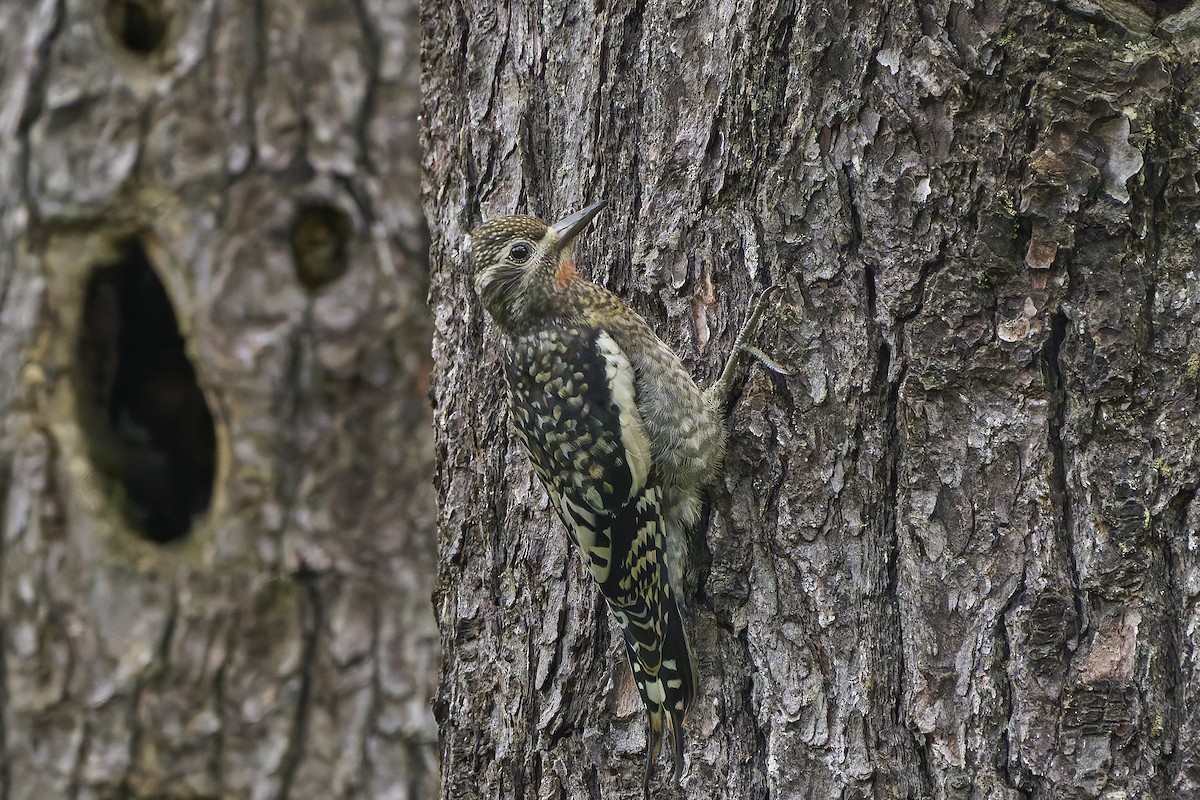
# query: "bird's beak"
568,228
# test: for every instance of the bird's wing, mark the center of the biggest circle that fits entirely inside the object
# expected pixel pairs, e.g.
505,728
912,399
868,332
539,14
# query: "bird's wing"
572,398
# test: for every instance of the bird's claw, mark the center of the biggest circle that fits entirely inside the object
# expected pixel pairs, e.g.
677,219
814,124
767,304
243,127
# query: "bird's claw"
768,362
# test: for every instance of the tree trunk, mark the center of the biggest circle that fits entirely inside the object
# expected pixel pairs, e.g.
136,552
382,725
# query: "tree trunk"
216,514
956,553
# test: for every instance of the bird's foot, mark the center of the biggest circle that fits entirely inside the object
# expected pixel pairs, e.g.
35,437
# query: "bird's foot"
744,346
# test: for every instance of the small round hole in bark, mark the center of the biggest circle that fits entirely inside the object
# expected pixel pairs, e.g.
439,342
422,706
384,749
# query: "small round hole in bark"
320,236
148,428
140,25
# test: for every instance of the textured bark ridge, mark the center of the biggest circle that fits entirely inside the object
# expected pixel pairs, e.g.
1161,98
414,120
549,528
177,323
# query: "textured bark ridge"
956,554
216,516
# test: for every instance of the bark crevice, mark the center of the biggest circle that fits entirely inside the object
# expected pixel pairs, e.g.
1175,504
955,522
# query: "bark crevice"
372,47
1177,641
312,620
75,785
1005,756
1057,415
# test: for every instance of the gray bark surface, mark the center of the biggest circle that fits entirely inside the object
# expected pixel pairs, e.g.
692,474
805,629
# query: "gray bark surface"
955,555
259,159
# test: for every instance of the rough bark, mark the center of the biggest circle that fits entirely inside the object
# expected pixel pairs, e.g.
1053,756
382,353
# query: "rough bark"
955,555
212,286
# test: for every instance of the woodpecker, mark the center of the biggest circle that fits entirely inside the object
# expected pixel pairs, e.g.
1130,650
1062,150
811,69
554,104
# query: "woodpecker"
620,435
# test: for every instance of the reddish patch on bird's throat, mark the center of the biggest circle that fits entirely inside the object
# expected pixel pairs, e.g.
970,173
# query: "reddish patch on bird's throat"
565,272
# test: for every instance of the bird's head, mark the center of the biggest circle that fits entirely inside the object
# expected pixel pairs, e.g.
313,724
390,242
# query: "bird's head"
521,263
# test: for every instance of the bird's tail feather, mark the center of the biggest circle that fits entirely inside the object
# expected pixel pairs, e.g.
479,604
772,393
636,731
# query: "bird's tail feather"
664,670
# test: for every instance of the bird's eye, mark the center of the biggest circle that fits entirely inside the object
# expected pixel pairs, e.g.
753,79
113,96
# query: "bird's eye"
520,252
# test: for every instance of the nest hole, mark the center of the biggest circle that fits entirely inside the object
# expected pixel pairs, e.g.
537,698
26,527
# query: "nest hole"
139,25
147,425
320,239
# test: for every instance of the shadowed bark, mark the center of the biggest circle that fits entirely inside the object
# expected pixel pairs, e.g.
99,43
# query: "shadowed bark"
955,554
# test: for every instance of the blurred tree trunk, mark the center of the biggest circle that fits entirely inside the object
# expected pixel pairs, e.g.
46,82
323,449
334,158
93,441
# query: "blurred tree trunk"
215,502
957,554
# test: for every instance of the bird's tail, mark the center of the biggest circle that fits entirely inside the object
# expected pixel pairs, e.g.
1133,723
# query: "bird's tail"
664,670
